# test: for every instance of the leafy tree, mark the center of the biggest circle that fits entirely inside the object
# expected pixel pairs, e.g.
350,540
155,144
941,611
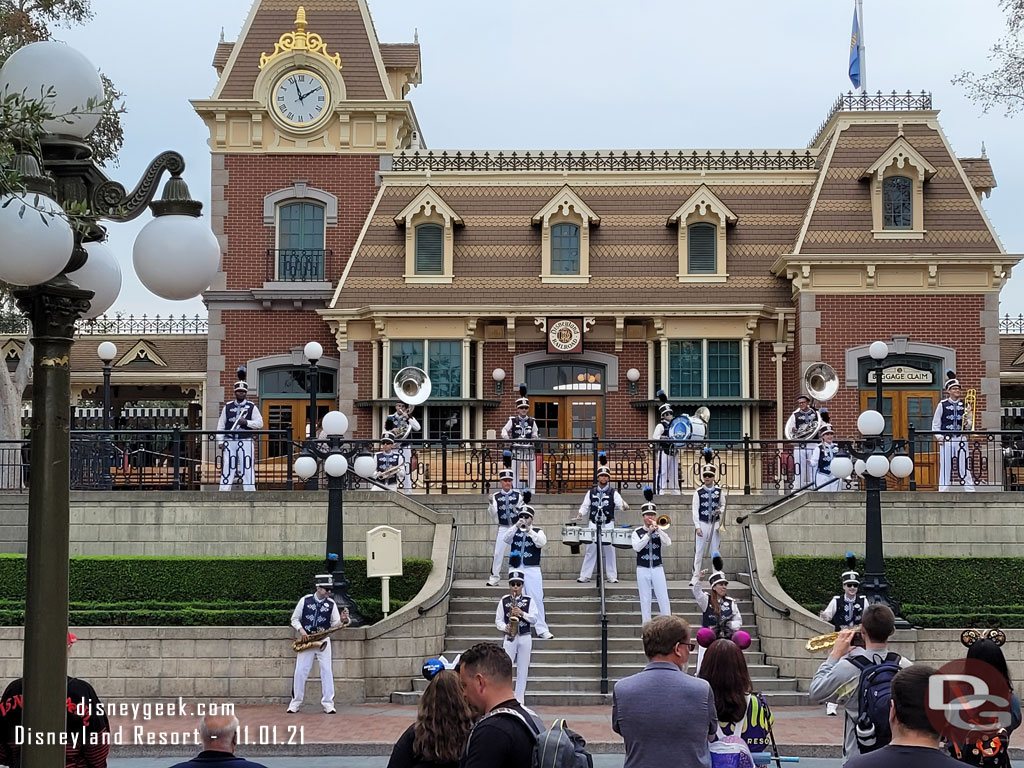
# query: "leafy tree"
1003,87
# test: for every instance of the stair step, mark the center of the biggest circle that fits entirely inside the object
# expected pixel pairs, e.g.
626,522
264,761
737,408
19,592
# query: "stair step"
561,642
591,631
622,617
577,698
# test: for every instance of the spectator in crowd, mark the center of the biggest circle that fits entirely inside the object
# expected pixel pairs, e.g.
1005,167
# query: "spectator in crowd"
839,677
87,729
505,735
915,744
741,711
220,737
443,721
665,717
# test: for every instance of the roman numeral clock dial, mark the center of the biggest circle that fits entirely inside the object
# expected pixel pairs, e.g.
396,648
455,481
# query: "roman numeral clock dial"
301,98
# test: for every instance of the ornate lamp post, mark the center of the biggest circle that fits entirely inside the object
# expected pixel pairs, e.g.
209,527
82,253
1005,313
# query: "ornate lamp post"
106,352
874,463
313,351
336,466
58,273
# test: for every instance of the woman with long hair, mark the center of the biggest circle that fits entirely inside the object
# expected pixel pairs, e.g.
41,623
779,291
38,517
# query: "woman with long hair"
443,722
741,711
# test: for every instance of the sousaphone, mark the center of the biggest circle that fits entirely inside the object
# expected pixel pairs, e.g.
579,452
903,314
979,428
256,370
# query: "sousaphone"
821,383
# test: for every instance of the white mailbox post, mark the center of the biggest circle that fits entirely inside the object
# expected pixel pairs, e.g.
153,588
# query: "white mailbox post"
384,559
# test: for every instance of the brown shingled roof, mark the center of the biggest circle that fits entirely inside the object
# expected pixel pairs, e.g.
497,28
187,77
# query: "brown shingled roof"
979,173
221,56
400,55
1011,349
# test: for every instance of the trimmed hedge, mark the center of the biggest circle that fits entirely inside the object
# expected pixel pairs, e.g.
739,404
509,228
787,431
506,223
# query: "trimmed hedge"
933,591
196,591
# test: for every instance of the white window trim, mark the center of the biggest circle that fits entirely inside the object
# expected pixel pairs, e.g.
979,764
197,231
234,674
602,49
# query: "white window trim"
300,191
703,206
565,207
899,159
428,207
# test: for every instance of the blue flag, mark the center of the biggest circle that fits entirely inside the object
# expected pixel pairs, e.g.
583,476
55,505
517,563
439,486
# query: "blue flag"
855,52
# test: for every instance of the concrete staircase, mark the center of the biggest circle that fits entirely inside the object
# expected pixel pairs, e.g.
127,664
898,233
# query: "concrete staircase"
567,669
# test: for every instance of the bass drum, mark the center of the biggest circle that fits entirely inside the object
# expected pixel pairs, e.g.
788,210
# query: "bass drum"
681,429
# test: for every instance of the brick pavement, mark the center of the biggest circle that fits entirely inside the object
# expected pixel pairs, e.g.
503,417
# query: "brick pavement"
372,729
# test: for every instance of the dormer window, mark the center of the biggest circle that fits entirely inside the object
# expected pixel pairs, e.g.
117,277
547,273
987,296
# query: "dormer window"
429,238
565,238
897,192
898,202
702,222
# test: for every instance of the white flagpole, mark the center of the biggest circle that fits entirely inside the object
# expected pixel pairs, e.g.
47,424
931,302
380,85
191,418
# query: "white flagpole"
860,46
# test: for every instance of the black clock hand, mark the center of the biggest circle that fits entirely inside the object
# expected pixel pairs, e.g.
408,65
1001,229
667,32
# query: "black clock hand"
297,91
304,95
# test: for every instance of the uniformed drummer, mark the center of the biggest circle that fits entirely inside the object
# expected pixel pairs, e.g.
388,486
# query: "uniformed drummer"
600,504
518,642
667,450
527,542
648,541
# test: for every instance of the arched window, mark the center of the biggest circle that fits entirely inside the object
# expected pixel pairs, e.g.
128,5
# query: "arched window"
565,249
300,241
701,246
897,202
429,249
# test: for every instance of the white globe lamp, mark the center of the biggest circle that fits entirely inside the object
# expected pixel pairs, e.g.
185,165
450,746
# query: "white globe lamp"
878,465
878,350
176,256
498,374
305,467
101,274
36,239
870,423
842,467
860,467
107,351
335,424
313,351
633,375
901,466
365,466
336,465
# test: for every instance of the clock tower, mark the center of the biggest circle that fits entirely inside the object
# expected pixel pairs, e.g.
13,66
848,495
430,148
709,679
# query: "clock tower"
307,108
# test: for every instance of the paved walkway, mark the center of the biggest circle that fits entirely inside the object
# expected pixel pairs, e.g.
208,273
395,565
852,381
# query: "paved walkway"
372,729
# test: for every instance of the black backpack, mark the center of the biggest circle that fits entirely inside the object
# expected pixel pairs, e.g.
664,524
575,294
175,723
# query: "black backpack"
874,692
557,747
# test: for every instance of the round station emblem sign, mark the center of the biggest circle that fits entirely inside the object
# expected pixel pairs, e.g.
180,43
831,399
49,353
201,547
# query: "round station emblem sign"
565,336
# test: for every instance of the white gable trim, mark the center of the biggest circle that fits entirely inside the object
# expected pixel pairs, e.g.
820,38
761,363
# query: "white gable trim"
429,202
563,201
703,201
903,154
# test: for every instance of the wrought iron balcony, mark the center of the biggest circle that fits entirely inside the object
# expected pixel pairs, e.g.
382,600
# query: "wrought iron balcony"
875,102
297,265
119,324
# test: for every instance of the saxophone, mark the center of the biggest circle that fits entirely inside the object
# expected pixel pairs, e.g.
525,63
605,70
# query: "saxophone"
318,638
513,620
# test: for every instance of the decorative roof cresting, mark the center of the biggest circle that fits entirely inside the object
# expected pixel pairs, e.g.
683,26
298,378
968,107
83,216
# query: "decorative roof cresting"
300,40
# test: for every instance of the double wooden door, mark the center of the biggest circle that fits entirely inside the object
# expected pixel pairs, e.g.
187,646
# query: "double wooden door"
568,417
900,409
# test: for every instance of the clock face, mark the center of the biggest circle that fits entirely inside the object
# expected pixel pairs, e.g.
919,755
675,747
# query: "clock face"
301,98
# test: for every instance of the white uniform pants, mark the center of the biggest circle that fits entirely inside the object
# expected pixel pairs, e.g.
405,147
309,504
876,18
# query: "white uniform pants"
820,480
803,465
407,456
533,585
501,549
712,538
668,473
954,453
531,471
590,560
303,665
519,651
237,461
652,580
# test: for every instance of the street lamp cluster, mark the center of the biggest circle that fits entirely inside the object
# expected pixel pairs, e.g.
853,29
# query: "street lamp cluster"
52,251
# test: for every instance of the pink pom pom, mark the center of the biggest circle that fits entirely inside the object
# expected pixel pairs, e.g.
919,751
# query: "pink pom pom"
705,636
742,639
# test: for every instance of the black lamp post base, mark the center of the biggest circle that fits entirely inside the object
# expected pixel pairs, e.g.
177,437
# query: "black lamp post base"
875,588
343,600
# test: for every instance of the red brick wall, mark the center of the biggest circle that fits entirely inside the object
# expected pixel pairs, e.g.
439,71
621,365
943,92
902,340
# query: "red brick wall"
766,377
252,177
363,376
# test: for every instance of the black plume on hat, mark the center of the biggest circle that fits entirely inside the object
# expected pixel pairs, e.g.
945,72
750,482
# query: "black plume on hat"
717,563
823,412
648,493
851,561
522,390
527,496
662,396
389,424
950,373
240,373
602,458
506,459
709,455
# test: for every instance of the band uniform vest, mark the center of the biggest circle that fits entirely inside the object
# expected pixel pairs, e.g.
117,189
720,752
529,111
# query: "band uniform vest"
316,617
521,428
649,556
666,444
602,505
508,506
847,614
952,415
710,503
802,418
386,461
399,425
718,623
523,603
231,411
825,456
524,551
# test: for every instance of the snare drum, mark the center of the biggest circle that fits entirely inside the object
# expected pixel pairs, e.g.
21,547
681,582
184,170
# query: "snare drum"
587,535
622,537
571,534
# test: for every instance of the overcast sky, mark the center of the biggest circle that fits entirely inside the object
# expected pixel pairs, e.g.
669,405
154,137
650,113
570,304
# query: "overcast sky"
584,74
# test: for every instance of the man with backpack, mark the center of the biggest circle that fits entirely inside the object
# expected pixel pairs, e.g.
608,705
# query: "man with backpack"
861,679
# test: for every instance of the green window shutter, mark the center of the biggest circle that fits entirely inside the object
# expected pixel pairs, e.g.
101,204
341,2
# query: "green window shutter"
429,250
701,243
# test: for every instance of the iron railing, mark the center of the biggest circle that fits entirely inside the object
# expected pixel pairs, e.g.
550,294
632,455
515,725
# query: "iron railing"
876,102
995,459
297,265
650,160
1009,324
119,325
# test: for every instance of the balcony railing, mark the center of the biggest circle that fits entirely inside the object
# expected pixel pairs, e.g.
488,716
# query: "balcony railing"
1010,324
119,324
877,102
297,265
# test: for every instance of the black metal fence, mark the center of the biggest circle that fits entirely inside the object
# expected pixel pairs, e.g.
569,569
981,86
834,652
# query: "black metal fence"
297,264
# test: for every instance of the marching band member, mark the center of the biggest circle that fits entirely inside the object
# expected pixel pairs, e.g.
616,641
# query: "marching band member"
390,464
821,460
527,543
799,419
518,642
315,613
949,420
707,519
668,451
719,612
844,611
600,503
647,542
522,427
504,506
238,419
404,424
